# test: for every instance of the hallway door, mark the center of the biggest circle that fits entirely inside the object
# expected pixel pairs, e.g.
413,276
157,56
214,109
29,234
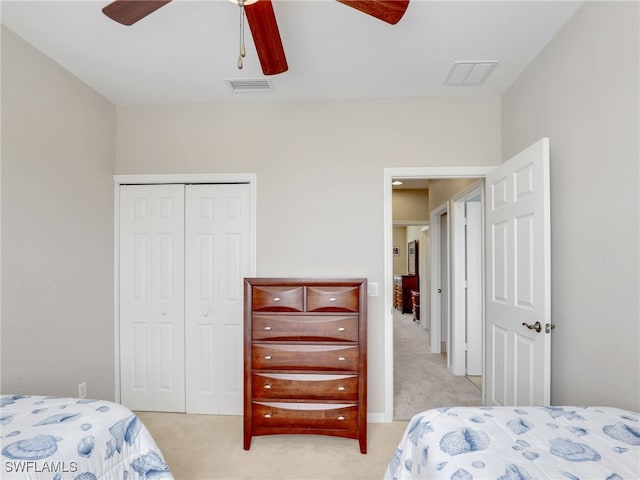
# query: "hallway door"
473,286
443,288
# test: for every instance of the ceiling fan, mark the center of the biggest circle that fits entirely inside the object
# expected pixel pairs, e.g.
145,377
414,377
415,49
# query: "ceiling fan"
262,22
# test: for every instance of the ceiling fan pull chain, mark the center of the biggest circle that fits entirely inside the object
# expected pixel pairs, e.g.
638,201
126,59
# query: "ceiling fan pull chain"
242,48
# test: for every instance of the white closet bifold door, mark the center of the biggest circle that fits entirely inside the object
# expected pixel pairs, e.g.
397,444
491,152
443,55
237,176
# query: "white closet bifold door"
152,355
217,240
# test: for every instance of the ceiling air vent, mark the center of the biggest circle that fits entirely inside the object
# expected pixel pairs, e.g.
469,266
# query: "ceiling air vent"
250,85
470,74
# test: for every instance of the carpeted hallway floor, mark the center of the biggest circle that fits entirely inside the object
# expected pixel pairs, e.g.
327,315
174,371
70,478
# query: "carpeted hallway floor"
421,379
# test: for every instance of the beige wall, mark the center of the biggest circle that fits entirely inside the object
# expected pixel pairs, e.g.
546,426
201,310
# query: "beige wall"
441,191
410,206
582,92
320,169
57,228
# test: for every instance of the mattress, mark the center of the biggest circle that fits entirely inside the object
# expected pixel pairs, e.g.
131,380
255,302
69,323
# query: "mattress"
62,438
519,443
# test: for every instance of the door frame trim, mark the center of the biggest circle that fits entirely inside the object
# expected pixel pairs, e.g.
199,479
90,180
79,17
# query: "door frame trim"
180,178
387,285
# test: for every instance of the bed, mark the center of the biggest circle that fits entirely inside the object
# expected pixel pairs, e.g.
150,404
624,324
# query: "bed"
519,443
60,438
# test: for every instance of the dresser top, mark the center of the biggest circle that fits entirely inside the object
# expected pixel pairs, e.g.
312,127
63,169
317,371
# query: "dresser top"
265,281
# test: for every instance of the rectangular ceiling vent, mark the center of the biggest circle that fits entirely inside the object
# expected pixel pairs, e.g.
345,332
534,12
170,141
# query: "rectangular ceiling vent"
470,74
249,85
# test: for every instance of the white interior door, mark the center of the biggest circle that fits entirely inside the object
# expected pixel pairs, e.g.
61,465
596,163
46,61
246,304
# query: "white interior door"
438,262
465,348
217,239
518,280
473,290
444,286
152,297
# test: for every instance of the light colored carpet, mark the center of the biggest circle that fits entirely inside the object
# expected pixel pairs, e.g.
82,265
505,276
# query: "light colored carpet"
203,447
421,380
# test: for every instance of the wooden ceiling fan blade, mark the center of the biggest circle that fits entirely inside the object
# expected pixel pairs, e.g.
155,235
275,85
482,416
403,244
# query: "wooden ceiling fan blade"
266,37
128,12
390,11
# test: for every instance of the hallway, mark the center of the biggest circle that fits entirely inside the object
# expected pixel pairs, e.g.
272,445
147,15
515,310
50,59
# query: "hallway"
421,379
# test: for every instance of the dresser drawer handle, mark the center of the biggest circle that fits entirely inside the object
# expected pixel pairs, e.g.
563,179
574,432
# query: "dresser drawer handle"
267,328
341,359
267,357
267,386
341,418
276,299
267,415
341,388
341,329
332,299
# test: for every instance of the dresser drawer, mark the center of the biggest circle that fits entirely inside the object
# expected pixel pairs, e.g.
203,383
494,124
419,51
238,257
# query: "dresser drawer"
305,415
278,299
341,328
332,299
288,386
305,357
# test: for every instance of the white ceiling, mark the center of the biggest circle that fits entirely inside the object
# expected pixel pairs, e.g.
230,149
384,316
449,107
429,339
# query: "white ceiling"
184,52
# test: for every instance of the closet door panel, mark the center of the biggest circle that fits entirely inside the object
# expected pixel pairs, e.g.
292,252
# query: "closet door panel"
234,218
217,241
152,297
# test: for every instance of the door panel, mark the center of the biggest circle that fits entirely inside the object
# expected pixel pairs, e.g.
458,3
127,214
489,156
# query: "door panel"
152,297
497,370
518,279
524,256
140,355
525,356
217,236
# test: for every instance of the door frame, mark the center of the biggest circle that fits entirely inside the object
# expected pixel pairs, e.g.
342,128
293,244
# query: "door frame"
187,178
424,247
388,175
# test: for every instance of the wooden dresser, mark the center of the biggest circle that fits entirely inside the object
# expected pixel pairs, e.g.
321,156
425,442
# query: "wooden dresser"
305,357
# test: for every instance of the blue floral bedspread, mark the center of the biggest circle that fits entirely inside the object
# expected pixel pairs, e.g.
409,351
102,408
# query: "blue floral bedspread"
519,443
55,438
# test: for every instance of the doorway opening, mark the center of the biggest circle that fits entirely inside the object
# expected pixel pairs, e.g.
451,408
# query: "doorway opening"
428,318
